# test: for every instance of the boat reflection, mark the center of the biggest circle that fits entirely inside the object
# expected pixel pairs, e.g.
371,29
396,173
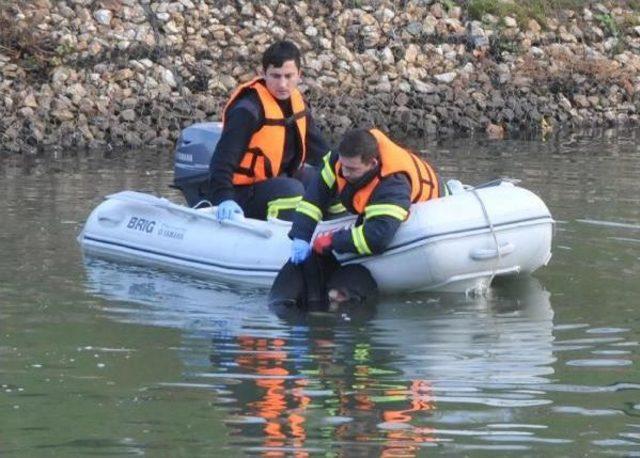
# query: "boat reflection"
174,300
390,380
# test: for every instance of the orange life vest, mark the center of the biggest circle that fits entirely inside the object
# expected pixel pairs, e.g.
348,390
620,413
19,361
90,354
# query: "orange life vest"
264,155
394,159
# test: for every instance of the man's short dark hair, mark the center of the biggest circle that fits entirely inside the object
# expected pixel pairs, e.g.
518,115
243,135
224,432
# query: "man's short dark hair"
280,52
359,142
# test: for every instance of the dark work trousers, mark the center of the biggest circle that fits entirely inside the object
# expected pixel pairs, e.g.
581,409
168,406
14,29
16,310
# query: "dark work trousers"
276,197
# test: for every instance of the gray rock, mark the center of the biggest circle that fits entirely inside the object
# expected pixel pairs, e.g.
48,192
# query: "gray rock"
566,36
248,10
476,35
168,78
504,77
510,22
26,112
467,69
8,103
30,101
229,82
63,115
60,75
423,87
445,78
385,15
103,16
610,43
536,52
128,115
404,86
76,91
437,10
508,114
414,28
490,19
401,99
384,85
411,53
386,56
429,25
564,102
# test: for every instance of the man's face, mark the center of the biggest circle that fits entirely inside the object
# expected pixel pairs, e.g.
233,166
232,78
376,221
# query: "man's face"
281,81
353,168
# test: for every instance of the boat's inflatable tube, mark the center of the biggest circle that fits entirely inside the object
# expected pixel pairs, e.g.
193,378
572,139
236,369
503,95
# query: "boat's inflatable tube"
455,243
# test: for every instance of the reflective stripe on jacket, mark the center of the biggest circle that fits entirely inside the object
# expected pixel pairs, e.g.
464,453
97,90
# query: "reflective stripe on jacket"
393,159
264,155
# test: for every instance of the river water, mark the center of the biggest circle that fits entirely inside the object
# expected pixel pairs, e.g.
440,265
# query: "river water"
104,359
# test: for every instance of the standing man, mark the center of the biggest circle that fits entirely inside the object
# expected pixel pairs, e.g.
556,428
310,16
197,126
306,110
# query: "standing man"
268,135
375,179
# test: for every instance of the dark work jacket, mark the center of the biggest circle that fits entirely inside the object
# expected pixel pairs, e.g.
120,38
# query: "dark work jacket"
244,118
378,231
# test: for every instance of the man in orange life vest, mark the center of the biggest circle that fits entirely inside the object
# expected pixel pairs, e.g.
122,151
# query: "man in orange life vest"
375,179
268,135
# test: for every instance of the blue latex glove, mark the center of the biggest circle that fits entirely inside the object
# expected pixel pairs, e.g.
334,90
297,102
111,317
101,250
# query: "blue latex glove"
300,250
227,208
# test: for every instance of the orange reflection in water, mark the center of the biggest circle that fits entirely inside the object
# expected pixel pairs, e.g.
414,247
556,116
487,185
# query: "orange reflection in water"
403,438
284,426
283,405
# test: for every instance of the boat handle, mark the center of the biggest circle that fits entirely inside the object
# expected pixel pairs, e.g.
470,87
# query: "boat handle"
110,220
480,254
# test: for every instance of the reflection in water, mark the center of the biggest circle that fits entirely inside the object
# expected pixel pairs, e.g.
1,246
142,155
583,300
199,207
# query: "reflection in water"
361,380
172,299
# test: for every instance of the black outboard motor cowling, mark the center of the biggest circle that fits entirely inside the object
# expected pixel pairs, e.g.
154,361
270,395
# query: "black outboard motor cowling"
193,154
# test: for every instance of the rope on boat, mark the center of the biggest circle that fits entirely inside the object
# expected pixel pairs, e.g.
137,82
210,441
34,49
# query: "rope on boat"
202,203
474,191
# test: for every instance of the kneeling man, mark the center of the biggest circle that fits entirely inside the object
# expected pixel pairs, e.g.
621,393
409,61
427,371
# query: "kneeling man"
374,178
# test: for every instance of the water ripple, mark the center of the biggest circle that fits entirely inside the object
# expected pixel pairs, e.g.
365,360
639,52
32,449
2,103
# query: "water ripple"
586,412
599,362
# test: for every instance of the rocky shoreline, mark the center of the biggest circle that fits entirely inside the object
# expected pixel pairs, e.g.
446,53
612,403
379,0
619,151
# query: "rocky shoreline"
92,73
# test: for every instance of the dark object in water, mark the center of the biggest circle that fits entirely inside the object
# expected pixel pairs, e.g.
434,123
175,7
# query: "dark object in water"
351,284
320,284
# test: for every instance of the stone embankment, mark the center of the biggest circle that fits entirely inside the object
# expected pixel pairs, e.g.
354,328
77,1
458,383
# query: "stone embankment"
91,73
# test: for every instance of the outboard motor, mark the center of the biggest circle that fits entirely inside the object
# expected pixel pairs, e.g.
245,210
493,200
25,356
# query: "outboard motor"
193,154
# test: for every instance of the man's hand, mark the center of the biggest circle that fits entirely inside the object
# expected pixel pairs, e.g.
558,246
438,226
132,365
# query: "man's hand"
300,251
323,242
227,209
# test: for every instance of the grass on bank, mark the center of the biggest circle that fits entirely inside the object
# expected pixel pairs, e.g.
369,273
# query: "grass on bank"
539,10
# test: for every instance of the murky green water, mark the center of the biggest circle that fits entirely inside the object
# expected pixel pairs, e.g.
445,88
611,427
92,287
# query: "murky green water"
105,359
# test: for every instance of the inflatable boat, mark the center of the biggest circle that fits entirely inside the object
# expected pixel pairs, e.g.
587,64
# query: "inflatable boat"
456,243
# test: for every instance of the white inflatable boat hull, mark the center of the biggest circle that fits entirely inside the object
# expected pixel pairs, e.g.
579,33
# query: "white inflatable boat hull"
456,244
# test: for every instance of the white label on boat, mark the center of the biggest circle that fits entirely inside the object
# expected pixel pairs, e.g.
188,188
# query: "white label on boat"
141,224
172,232
185,157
